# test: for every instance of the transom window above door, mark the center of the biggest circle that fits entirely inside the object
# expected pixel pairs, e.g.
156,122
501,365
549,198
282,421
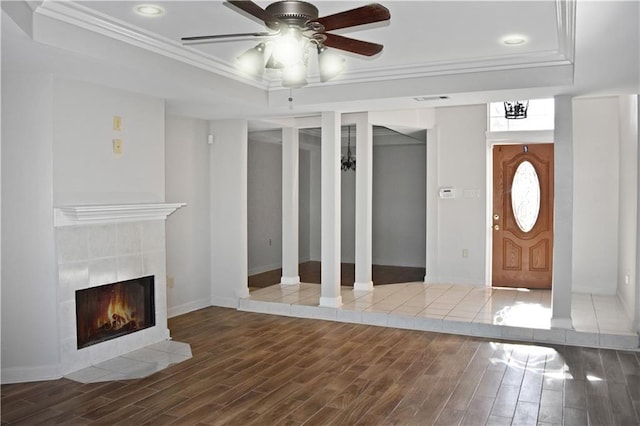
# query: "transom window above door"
540,116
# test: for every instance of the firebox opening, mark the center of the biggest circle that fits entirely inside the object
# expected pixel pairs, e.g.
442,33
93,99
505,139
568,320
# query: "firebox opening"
113,310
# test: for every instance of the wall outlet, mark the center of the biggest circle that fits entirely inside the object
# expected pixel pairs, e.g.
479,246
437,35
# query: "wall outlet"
269,241
465,252
627,279
170,282
117,146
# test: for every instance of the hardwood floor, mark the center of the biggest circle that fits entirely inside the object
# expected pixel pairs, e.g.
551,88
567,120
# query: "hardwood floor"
310,273
262,369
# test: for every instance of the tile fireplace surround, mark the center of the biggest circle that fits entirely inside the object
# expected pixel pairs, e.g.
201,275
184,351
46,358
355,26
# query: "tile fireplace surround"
101,244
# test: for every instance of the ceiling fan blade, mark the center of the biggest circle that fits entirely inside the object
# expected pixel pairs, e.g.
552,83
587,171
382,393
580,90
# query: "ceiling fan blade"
352,45
359,16
252,9
223,37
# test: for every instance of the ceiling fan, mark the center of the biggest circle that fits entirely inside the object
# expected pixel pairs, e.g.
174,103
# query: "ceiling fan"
294,24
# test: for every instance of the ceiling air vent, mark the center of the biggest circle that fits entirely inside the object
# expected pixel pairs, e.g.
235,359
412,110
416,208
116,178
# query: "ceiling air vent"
430,98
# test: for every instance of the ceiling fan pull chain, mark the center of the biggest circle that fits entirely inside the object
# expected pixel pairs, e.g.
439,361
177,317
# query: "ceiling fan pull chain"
290,98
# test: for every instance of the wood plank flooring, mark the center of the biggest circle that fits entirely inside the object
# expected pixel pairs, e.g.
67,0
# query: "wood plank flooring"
310,273
256,369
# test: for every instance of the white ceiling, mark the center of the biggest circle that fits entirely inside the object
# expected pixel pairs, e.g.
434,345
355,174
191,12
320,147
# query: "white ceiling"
451,48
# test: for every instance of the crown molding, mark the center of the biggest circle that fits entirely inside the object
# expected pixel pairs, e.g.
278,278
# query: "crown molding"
89,19
84,17
95,214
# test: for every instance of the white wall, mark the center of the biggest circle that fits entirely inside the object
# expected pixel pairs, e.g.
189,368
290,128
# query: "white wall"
628,215
314,206
86,171
29,275
57,143
228,177
399,190
596,198
348,215
399,212
188,229
264,214
461,221
304,199
264,198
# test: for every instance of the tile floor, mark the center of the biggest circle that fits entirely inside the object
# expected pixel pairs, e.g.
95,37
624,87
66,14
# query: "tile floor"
135,365
515,314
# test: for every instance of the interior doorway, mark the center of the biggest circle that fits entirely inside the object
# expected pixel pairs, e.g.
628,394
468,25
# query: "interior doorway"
522,217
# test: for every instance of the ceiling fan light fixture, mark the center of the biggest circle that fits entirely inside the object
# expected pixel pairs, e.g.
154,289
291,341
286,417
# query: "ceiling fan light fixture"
289,47
251,62
294,76
272,64
330,64
294,28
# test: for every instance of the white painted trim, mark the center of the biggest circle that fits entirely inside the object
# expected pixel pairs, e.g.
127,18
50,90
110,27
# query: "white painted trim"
224,302
88,19
520,136
289,281
368,286
111,213
30,374
331,302
264,268
84,17
503,138
188,307
563,323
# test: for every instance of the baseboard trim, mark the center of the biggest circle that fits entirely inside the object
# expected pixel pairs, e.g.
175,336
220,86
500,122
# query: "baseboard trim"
265,268
224,302
185,308
30,374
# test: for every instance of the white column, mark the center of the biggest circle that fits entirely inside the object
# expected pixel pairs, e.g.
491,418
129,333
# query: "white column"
229,247
364,203
637,271
563,214
330,211
431,261
290,176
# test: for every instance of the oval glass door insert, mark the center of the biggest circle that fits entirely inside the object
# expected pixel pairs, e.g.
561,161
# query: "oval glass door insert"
525,196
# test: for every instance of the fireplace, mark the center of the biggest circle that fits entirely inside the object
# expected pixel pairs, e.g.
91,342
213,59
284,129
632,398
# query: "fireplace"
113,310
101,244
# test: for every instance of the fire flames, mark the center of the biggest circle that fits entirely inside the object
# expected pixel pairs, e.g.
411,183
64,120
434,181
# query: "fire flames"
118,314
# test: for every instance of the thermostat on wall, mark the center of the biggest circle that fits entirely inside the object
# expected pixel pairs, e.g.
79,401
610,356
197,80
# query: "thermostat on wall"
447,192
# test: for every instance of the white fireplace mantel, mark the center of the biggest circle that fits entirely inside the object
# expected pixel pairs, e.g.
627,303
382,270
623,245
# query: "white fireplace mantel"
111,213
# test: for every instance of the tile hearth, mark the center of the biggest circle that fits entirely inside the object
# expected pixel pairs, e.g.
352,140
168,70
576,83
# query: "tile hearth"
599,321
136,364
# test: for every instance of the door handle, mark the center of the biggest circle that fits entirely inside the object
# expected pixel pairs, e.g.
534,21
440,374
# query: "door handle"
496,227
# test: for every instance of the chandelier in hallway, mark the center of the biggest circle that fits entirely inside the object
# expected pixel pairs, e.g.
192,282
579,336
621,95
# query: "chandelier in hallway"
348,162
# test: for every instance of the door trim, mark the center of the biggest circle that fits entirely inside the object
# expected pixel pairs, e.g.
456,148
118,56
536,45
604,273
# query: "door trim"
504,138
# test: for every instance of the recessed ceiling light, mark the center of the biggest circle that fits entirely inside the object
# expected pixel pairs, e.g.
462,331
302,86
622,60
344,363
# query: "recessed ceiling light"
149,10
514,40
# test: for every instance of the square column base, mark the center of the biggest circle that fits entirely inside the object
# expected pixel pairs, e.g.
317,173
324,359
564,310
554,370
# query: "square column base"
289,280
366,286
331,302
563,323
